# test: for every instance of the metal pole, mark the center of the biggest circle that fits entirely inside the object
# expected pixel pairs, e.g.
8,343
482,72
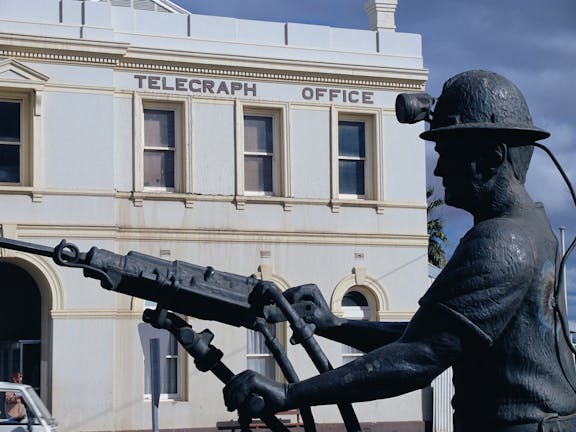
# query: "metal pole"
563,249
155,380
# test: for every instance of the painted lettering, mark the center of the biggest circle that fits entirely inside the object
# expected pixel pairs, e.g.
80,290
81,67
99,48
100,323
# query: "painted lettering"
236,86
194,85
353,96
208,86
198,83
153,82
250,88
140,79
181,84
337,95
165,86
223,88
307,93
367,98
333,94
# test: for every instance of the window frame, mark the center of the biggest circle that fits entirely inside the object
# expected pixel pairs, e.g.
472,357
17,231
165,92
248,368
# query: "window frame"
280,156
373,157
365,313
265,273
180,363
263,154
25,143
267,356
182,173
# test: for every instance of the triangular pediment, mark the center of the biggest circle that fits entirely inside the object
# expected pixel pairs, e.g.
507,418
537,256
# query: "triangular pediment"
13,70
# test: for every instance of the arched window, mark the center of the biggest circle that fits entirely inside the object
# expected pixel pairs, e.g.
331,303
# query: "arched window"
258,357
356,306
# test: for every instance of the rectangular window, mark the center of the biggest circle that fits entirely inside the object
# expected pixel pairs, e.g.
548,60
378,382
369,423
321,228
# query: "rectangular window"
11,141
161,146
259,158
169,360
352,158
259,357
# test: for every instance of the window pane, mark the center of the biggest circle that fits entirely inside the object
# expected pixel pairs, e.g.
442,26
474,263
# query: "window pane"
173,346
170,381
259,357
263,365
159,168
354,298
257,343
159,130
258,134
258,173
351,177
10,163
168,360
351,140
10,121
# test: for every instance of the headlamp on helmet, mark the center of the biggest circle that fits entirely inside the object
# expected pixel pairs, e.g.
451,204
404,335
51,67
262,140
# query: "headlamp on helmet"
474,101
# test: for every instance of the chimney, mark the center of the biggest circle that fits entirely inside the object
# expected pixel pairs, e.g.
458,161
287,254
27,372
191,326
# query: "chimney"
381,14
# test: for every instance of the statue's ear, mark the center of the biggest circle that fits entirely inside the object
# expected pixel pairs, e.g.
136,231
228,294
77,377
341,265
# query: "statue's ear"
492,159
498,155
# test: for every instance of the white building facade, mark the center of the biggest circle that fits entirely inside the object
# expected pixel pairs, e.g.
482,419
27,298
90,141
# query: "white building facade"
253,147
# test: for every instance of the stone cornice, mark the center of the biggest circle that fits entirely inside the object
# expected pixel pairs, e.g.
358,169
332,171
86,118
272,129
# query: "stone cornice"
189,235
123,56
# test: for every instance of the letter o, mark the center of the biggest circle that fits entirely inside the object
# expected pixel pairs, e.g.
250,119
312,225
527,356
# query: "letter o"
307,93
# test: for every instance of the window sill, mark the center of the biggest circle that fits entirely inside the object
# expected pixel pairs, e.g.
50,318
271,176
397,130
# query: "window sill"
10,189
337,203
241,201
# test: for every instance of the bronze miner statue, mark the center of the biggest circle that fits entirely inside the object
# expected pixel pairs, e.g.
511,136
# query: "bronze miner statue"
495,314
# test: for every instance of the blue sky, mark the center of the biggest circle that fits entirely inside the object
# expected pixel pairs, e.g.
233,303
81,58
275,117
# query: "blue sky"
533,43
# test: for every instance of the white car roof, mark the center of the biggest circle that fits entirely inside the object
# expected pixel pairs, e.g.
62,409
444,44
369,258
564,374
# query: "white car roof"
12,386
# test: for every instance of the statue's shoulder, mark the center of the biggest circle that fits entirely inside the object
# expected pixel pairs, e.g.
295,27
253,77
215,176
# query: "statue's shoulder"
496,247
500,233
494,256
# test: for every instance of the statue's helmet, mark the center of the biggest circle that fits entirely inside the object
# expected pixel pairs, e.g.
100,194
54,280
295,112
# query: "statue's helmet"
483,103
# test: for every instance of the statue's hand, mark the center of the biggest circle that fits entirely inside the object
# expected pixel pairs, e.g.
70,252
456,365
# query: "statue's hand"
255,394
312,307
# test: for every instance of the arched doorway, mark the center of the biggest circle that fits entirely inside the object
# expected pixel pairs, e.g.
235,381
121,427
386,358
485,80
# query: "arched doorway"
20,324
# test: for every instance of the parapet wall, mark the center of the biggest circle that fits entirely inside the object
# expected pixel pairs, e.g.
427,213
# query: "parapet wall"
101,21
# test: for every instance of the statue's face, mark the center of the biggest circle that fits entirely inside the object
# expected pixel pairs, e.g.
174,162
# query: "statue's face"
461,168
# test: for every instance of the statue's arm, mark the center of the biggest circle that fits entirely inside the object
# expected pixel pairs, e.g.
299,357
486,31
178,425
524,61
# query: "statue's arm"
431,343
363,335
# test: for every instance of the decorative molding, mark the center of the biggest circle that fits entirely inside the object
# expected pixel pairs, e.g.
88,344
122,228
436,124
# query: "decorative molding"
219,236
95,314
124,56
9,231
265,273
68,58
319,77
395,315
26,74
367,285
44,274
138,198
